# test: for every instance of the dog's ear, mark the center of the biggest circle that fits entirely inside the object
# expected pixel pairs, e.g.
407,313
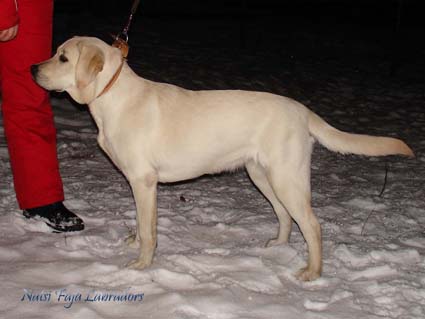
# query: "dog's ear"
90,63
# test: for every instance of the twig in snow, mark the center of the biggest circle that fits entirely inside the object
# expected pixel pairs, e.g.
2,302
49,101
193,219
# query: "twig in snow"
380,195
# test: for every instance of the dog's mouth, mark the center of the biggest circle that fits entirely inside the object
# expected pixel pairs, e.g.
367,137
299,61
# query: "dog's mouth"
41,79
45,83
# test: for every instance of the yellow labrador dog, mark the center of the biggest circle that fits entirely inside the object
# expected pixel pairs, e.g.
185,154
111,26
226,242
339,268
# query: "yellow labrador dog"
157,132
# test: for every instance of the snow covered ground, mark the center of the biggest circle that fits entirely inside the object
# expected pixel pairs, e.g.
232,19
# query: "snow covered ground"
211,261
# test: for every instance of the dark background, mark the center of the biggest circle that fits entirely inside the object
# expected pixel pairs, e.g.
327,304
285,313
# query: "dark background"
314,29
373,12
296,48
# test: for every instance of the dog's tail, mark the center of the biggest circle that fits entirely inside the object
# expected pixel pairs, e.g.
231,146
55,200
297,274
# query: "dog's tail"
342,142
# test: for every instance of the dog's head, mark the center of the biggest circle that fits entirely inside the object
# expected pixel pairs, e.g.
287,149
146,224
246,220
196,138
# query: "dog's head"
82,66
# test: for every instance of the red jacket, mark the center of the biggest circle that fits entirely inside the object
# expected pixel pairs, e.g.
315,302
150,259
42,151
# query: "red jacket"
8,14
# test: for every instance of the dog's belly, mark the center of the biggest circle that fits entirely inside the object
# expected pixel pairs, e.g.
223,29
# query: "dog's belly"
195,165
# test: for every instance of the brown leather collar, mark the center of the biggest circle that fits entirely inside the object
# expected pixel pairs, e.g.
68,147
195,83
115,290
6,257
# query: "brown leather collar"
112,80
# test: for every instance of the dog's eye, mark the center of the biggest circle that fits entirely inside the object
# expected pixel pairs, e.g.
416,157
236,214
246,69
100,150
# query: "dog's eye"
63,58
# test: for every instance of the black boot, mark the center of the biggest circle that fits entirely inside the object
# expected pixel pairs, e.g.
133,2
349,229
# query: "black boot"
56,216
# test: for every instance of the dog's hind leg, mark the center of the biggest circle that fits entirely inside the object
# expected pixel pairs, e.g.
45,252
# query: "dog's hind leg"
289,176
258,176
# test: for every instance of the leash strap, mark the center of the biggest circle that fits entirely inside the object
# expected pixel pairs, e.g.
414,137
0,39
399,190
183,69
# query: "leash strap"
121,39
130,18
123,36
121,42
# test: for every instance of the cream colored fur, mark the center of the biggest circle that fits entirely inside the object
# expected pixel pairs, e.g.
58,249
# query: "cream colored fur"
156,132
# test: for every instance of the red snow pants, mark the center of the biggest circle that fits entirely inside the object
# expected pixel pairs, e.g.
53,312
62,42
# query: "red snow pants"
27,114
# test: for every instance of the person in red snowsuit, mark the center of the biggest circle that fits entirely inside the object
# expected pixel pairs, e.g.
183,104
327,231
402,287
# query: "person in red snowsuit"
25,39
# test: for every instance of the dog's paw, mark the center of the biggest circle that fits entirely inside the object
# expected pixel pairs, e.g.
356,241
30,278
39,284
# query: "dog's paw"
306,274
276,242
138,264
132,241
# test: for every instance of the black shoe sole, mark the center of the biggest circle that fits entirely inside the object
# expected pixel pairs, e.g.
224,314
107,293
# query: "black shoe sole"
56,228
74,228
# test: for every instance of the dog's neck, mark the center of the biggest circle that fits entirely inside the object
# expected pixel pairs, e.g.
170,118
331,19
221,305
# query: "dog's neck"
112,80
113,102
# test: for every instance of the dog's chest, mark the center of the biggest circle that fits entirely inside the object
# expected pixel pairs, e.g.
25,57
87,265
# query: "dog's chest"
108,148
107,142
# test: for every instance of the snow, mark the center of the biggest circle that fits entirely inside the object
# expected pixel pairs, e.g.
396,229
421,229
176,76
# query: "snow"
211,261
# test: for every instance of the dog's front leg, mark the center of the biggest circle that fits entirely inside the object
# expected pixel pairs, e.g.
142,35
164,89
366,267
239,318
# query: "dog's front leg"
144,192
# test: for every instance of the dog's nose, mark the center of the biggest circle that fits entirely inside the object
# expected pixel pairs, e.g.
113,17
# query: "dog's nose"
34,70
